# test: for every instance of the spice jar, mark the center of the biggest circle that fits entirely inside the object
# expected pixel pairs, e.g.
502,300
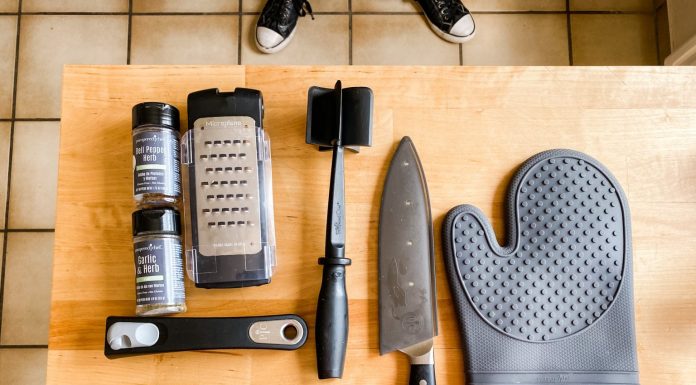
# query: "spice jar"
156,168
159,273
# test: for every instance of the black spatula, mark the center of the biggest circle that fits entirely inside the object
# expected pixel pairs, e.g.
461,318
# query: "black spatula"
336,118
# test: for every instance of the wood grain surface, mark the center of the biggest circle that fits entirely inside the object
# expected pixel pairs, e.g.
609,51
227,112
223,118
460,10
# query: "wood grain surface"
472,128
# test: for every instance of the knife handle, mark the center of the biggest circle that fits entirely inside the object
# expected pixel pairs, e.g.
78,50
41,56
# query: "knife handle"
332,319
128,336
422,374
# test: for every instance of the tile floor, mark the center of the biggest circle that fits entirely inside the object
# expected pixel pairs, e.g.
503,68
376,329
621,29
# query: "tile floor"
37,37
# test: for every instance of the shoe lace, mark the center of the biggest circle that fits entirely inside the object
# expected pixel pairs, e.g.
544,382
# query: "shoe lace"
279,9
444,7
303,7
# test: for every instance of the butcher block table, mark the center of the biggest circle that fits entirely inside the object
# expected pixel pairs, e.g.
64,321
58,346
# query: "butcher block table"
472,127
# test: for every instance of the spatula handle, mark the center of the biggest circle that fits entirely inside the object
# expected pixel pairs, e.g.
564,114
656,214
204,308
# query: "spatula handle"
332,307
332,322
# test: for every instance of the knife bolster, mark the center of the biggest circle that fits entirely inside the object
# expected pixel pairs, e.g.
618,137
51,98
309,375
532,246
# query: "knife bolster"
425,359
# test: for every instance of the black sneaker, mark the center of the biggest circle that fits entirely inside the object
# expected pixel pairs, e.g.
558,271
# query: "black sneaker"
276,25
449,19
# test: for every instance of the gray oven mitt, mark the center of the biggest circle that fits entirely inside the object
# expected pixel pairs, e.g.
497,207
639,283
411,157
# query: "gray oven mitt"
555,303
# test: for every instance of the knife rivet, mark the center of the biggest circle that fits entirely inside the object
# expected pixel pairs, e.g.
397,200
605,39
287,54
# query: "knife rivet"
409,243
422,382
406,163
407,203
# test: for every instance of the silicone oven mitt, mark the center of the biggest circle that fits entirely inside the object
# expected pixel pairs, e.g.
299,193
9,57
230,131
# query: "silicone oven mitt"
555,304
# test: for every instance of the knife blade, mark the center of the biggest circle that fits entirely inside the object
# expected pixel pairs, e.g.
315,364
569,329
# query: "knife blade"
407,297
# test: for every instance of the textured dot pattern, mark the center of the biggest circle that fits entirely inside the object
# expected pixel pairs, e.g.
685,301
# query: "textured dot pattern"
564,267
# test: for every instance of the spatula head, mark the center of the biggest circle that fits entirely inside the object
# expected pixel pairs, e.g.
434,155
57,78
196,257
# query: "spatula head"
340,115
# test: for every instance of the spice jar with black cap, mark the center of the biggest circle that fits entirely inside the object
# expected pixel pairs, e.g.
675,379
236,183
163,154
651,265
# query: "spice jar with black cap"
159,273
156,154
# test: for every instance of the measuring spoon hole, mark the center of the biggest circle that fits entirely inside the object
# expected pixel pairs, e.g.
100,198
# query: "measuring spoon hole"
290,332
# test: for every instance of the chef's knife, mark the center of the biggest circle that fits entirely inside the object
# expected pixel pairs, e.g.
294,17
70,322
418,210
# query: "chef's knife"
407,300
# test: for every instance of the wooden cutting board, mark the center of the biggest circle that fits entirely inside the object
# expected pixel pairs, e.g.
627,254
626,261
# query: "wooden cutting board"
472,126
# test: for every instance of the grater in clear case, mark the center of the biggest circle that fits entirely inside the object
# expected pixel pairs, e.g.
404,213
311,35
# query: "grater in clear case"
228,200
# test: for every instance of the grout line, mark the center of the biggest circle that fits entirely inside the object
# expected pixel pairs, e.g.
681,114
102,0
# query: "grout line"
30,230
130,30
615,12
530,12
9,157
657,39
245,13
23,346
570,34
236,13
36,119
350,32
75,13
239,33
669,36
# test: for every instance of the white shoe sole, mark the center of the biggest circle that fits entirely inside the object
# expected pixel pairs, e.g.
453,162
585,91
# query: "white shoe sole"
278,47
448,36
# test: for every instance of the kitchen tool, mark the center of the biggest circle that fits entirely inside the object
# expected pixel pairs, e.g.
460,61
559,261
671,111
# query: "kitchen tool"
127,336
230,232
407,298
336,118
555,303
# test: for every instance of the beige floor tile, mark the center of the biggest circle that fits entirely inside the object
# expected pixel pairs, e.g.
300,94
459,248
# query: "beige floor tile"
401,39
612,5
49,42
317,5
184,39
185,6
518,39
34,175
515,5
323,40
613,40
23,366
27,296
4,166
385,6
663,38
9,5
8,40
74,6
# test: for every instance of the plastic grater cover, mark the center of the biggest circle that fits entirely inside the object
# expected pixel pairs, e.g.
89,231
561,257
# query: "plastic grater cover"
228,202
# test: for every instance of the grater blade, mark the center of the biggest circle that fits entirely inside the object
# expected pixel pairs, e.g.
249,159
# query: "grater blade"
227,186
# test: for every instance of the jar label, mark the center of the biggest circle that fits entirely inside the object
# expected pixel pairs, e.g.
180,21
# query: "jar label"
159,273
156,163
